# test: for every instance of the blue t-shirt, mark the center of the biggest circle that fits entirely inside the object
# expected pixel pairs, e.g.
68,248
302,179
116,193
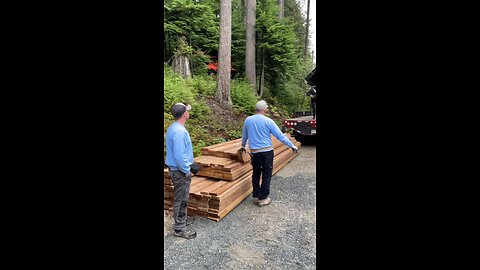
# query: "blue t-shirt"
179,148
257,129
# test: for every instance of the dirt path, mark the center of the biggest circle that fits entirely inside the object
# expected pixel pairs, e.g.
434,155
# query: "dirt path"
279,236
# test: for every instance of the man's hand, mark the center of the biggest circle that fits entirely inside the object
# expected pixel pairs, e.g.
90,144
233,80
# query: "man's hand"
194,168
243,150
188,174
294,149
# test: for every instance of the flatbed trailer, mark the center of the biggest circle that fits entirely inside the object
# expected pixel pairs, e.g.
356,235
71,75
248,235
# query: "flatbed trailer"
304,125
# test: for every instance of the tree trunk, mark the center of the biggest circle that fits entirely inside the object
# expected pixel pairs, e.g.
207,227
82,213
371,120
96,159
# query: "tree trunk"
191,56
224,53
313,58
306,34
281,4
167,49
244,13
250,43
262,76
180,65
164,48
169,46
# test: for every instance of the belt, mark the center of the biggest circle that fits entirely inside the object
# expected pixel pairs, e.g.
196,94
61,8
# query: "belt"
261,149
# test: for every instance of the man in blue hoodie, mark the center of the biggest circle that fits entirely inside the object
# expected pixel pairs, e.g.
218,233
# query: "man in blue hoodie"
178,160
257,130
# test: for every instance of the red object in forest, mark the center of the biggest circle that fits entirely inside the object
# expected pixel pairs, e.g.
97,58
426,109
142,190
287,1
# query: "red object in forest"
213,66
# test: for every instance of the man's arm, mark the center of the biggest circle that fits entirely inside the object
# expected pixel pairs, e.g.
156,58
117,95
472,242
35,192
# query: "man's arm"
179,153
279,135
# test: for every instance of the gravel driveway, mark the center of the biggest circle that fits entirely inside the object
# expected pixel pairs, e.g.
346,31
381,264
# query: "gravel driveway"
281,235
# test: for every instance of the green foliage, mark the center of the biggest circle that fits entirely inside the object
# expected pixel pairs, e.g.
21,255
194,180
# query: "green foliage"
192,28
203,126
204,85
234,134
242,96
293,11
277,40
183,48
200,60
238,37
175,90
193,20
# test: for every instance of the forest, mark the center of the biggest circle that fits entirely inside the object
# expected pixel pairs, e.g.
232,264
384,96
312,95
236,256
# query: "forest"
222,56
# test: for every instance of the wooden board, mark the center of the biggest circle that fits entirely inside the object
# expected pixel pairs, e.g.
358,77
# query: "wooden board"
214,198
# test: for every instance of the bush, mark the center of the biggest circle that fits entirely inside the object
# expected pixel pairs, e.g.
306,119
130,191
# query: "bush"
242,96
204,85
234,134
175,90
199,61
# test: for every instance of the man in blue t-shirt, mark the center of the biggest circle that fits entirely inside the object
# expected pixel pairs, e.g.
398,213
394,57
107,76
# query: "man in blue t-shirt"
257,130
179,160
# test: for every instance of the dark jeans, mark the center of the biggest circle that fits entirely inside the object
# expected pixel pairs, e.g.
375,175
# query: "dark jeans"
262,165
314,107
181,191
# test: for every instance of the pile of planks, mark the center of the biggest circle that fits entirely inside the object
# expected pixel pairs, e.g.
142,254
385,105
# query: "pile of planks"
224,180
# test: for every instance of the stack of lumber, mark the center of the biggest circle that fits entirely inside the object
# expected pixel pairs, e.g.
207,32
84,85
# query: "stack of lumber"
221,161
209,197
223,181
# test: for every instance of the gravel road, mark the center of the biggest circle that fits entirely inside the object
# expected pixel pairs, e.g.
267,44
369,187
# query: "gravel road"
281,235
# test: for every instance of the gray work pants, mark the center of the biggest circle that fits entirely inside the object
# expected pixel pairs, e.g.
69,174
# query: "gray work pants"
181,190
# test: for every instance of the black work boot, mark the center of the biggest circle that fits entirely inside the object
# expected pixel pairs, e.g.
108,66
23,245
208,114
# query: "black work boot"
190,220
187,234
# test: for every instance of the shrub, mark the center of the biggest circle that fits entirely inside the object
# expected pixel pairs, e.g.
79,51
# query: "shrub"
175,90
242,96
204,85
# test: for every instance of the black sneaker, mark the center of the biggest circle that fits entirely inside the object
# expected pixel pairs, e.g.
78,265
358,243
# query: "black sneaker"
190,220
187,234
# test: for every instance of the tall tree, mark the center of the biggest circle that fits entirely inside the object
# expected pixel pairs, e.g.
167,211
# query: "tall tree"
238,37
261,88
196,21
224,53
281,5
262,75
306,35
250,17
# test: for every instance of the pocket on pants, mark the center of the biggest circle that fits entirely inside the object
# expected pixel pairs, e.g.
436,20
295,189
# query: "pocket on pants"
177,176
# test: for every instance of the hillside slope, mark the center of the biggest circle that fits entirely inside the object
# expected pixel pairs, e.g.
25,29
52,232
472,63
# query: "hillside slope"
210,121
